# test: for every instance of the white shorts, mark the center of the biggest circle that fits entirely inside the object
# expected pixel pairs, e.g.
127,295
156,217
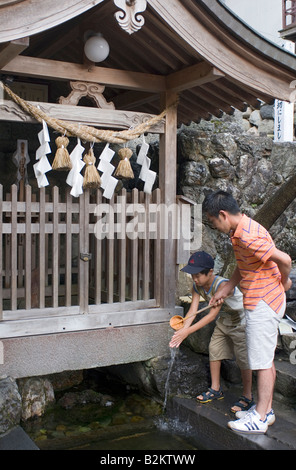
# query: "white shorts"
261,334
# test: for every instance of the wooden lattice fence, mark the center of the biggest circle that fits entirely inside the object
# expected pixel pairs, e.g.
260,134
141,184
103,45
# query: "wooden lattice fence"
64,255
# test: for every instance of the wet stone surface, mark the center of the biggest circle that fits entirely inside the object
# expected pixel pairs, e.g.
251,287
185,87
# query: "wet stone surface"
110,416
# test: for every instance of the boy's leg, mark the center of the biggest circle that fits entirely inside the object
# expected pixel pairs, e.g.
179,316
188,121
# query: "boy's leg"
247,391
247,383
219,348
237,335
262,330
215,367
265,386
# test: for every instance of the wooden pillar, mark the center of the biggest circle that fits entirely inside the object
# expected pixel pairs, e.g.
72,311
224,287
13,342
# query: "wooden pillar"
168,186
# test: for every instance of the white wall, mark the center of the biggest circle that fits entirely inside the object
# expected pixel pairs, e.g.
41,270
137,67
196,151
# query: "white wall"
265,16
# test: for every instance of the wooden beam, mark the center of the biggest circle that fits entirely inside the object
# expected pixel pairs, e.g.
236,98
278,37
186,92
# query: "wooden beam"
212,100
228,98
104,118
238,91
192,76
10,50
196,101
192,113
98,319
133,99
58,70
168,181
21,18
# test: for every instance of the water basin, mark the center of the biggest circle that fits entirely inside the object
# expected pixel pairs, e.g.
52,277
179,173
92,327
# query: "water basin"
117,418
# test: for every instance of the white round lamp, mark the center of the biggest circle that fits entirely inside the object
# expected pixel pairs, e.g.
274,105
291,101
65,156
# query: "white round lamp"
96,48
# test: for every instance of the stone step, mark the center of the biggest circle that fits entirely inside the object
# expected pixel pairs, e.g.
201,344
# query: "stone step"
286,380
209,423
16,439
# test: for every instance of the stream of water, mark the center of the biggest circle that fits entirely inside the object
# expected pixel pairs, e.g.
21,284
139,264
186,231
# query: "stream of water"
166,388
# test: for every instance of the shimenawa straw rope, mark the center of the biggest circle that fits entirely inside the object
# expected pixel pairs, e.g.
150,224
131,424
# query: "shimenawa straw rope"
86,133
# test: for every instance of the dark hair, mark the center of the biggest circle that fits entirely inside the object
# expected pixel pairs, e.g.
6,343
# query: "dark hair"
205,271
220,201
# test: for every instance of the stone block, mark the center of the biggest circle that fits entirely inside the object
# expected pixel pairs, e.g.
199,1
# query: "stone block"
10,404
37,394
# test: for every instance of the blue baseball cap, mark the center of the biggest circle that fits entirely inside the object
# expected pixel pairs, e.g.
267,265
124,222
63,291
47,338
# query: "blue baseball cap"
198,262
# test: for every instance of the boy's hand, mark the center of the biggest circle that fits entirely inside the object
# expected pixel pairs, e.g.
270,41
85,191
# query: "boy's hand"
226,289
222,292
178,337
288,284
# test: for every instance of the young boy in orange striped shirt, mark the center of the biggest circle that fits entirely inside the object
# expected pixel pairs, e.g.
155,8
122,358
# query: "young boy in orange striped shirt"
263,274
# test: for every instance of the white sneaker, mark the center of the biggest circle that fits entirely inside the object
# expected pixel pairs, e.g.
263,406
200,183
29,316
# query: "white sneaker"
243,414
270,417
250,424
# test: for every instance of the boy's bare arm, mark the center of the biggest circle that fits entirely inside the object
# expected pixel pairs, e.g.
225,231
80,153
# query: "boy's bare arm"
181,334
226,288
193,308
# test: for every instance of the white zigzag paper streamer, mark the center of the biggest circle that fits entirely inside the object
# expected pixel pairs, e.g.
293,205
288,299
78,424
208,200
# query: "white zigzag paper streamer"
146,175
43,165
142,152
75,178
108,182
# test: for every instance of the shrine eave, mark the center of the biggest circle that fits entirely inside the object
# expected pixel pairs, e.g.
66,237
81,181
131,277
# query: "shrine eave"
196,48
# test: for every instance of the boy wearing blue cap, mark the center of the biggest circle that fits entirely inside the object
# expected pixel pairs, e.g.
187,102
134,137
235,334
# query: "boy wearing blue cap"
228,338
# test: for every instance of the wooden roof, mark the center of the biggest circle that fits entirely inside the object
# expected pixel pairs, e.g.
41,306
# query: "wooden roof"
197,48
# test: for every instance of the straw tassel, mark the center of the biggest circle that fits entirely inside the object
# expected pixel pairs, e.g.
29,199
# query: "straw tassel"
124,169
91,175
62,159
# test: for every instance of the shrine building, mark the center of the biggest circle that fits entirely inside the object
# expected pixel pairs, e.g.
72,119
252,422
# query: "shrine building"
88,264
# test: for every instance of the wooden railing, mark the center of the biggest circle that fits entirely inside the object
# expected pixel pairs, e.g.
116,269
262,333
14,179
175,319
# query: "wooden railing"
289,13
64,254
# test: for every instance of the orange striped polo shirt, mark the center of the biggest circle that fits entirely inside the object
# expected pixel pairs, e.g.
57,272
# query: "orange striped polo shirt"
261,278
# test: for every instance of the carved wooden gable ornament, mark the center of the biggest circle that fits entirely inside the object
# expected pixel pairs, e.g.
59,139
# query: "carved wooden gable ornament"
129,18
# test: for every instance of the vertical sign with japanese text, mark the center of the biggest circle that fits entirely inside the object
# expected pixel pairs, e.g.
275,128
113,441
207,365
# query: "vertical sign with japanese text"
1,353
283,121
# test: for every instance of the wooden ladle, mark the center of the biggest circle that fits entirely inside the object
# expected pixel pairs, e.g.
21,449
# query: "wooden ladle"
177,322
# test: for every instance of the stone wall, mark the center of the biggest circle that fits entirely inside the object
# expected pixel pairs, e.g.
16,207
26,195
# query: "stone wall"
237,154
